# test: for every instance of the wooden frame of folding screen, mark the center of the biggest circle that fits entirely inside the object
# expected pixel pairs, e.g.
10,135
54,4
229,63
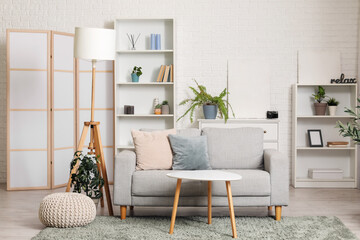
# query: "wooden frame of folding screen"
50,147
11,111
69,150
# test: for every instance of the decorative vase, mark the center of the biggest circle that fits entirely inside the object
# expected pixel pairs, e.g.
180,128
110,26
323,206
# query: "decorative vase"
210,111
134,77
157,111
165,109
320,108
332,110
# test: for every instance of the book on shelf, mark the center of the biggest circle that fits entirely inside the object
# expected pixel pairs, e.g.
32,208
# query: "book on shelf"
171,73
166,74
338,144
161,73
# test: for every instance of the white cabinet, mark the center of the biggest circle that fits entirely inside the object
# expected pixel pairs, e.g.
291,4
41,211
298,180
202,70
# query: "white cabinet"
270,127
141,94
305,157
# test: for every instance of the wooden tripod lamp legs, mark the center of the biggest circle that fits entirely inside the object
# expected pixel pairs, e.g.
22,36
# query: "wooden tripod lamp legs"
96,139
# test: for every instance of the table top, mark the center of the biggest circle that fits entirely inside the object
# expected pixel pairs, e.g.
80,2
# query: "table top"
205,175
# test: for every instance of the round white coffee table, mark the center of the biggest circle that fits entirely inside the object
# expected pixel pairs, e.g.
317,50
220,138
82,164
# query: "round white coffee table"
209,176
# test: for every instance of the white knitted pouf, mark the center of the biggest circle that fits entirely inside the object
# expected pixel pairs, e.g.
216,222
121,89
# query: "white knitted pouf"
65,210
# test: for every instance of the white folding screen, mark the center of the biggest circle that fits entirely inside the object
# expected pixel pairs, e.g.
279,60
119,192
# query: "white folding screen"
41,109
28,105
104,102
63,106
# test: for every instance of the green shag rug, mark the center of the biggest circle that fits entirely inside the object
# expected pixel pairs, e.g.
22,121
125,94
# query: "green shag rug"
197,228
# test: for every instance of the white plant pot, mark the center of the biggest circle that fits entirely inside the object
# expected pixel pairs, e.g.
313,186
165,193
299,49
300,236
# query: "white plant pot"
332,110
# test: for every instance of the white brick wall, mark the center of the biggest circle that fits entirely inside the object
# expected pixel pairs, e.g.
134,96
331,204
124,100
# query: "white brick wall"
208,33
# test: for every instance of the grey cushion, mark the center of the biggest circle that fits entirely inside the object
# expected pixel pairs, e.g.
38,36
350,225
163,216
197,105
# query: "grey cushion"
155,183
189,153
235,148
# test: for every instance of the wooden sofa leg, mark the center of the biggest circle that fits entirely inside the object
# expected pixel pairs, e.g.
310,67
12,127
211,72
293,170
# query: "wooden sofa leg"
270,208
277,213
122,212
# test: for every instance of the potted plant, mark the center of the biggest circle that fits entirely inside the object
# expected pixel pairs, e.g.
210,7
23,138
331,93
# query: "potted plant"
352,128
332,104
320,108
165,109
136,73
87,178
157,109
210,104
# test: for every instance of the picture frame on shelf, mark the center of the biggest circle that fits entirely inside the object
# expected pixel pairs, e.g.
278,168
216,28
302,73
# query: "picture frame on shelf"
315,138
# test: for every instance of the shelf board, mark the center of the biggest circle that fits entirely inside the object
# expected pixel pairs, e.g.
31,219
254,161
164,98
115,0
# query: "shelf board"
130,147
145,83
325,180
144,115
145,51
326,116
325,148
327,85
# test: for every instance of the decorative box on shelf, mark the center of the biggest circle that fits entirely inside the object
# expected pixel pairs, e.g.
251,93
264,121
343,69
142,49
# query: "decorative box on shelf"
326,173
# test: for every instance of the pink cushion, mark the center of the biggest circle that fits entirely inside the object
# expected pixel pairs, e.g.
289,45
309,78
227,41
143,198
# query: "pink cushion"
152,149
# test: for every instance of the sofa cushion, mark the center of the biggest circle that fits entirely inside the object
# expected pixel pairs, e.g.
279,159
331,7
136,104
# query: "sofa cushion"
155,183
152,149
235,148
253,183
189,153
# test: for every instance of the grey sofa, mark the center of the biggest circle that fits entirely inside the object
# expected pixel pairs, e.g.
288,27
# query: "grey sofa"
265,175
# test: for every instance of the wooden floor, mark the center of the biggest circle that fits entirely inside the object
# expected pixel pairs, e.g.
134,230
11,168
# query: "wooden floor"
19,209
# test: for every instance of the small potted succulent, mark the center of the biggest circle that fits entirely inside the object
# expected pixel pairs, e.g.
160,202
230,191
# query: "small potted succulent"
319,96
157,109
87,178
165,109
332,104
136,73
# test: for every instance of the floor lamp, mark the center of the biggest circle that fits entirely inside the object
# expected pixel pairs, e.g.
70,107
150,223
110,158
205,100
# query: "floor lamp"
94,44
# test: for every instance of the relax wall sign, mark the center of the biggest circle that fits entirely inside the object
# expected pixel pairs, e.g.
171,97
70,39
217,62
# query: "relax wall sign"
343,80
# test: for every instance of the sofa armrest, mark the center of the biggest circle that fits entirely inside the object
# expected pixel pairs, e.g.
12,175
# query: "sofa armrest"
125,163
278,166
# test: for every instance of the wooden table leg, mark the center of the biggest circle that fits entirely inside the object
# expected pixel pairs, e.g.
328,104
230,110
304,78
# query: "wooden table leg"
231,209
209,202
176,201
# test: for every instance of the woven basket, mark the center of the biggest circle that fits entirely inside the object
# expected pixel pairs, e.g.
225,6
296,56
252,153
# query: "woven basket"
63,210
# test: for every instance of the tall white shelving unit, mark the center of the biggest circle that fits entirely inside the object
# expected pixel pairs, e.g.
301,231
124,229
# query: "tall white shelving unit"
304,156
142,94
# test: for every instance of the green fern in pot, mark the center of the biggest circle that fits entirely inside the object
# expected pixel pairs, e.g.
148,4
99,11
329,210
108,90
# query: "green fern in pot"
210,104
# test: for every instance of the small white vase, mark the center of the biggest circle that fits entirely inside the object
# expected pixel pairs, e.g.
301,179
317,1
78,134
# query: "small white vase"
332,110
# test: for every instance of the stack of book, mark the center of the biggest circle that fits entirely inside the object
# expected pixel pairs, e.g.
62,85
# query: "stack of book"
337,144
166,74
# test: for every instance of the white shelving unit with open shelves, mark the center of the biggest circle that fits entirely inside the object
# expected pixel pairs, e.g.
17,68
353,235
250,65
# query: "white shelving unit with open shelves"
306,157
141,94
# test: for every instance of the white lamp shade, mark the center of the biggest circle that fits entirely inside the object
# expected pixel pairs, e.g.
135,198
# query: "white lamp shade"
94,43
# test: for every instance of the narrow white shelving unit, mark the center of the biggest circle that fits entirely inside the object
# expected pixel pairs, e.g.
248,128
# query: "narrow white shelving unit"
306,157
142,94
